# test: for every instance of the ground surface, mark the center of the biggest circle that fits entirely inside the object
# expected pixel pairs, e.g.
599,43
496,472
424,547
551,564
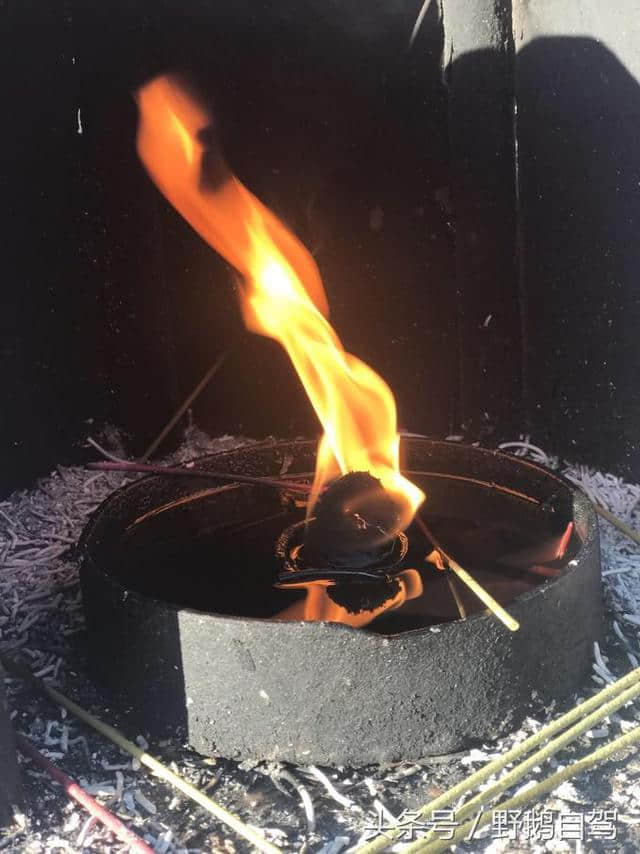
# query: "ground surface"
41,618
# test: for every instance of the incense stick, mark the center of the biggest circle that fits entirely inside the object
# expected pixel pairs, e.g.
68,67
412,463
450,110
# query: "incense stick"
531,795
495,607
617,523
381,842
249,833
160,770
73,790
179,471
206,379
538,757
456,595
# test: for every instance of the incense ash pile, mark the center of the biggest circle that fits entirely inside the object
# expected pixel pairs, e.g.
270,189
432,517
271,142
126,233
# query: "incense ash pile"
307,809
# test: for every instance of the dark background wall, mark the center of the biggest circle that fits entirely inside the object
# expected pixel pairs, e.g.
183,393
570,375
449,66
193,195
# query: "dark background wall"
578,95
449,270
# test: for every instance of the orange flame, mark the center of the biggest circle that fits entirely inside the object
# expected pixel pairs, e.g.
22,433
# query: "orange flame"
318,605
282,294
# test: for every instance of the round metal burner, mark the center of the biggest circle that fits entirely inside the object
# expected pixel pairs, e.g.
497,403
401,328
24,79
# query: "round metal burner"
186,626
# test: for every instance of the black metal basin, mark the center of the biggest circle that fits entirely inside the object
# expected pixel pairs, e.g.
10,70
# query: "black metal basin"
177,583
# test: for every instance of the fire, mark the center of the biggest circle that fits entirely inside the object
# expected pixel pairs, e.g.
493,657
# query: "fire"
282,295
318,605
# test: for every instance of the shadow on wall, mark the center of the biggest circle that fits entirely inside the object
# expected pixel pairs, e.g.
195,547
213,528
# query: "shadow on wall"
579,172
578,132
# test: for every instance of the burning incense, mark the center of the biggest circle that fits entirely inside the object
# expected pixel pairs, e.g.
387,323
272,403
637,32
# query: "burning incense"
102,814
495,607
179,471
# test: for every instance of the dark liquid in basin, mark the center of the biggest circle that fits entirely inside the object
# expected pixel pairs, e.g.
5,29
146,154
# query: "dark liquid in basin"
214,551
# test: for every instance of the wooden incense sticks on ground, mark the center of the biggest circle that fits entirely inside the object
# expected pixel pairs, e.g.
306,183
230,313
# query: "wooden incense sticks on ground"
517,802
229,819
102,814
574,723
160,770
496,609
617,523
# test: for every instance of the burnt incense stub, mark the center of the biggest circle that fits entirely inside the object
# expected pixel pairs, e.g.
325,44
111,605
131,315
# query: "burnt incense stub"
217,612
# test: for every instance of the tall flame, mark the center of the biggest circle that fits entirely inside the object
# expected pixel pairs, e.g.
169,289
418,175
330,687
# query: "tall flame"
281,294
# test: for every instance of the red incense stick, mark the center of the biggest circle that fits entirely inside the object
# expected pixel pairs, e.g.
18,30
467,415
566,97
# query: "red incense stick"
78,794
183,471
